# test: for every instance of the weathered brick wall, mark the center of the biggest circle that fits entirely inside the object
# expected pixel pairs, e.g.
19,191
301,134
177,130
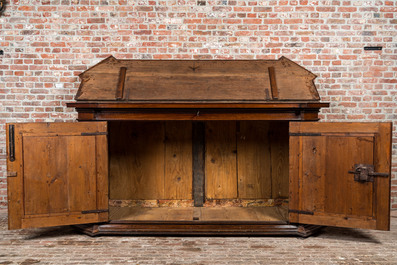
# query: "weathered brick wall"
47,43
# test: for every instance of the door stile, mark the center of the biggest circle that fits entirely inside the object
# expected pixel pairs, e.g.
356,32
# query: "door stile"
14,178
382,161
102,183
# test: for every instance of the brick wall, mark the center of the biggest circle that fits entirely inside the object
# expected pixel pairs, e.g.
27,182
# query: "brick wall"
47,43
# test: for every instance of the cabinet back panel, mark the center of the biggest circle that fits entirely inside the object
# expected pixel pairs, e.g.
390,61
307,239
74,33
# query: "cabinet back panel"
253,160
178,160
243,160
150,160
246,160
220,160
279,154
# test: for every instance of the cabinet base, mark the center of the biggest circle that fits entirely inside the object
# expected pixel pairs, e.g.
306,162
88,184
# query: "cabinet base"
197,229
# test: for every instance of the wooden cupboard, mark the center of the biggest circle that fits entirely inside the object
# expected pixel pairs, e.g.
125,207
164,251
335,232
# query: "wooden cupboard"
199,147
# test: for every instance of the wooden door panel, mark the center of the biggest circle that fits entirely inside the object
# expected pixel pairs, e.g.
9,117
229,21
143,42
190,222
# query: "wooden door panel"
61,174
358,197
322,191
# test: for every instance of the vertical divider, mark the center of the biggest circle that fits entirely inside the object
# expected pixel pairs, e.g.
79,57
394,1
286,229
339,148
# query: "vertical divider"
198,138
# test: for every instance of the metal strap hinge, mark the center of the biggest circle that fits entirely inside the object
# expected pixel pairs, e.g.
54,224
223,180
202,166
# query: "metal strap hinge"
304,134
11,174
300,212
95,211
11,142
94,133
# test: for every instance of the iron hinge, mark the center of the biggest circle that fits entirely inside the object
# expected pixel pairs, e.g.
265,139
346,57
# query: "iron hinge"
95,211
94,133
300,212
304,134
11,142
11,174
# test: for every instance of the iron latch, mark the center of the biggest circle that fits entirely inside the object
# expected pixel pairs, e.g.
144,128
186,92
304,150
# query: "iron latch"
11,142
366,173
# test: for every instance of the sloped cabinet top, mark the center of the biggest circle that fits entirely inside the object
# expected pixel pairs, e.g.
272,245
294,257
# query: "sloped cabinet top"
197,81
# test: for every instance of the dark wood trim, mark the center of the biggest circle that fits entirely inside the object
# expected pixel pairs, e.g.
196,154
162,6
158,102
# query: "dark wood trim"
197,111
197,114
198,163
195,105
195,228
120,83
273,82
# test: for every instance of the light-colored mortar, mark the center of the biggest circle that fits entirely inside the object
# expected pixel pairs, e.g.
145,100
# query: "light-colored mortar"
47,43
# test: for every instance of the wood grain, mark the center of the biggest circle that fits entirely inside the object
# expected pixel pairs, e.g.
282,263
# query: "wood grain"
279,151
120,83
212,80
191,115
150,160
102,172
226,214
253,160
221,160
152,214
273,82
313,178
194,105
136,160
321,155
178,160
344,195
383,163
58,176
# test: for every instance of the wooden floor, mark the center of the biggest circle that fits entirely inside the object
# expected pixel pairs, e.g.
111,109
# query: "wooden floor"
267,214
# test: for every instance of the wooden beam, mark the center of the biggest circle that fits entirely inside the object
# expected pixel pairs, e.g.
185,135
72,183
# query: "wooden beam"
198,163
120,83
273,82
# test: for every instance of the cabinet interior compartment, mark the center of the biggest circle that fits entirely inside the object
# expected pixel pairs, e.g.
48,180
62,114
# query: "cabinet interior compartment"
245,171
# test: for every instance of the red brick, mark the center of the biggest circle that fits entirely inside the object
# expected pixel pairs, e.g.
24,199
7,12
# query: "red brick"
349,9
95,20
272,21
53,42
231,21
252,21
144,8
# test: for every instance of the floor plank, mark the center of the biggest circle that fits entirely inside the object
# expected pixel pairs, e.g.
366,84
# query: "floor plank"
198,213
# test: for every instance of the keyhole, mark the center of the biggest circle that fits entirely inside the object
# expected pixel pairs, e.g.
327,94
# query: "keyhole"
314,150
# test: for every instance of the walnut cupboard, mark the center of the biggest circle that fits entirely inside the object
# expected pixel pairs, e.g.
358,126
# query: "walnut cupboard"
199,148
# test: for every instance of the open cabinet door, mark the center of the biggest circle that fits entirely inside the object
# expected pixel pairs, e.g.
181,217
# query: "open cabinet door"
328,181
57,174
